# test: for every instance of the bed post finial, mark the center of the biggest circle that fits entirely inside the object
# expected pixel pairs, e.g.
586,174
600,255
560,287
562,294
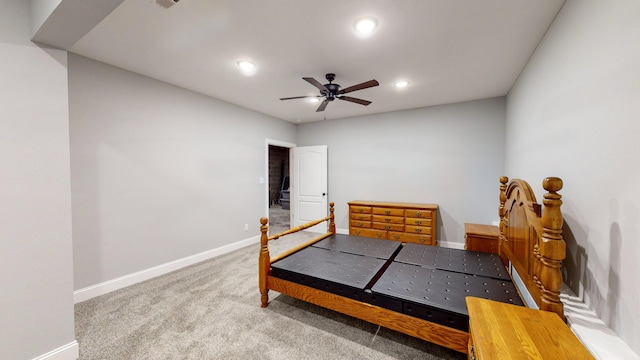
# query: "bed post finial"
503,195
503,221
553,247
264,262
332,223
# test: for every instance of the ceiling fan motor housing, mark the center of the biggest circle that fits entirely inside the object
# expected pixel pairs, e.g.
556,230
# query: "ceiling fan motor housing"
333,88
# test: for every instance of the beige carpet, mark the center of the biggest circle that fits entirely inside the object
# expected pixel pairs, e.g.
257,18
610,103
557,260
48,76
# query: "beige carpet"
278,216
211,310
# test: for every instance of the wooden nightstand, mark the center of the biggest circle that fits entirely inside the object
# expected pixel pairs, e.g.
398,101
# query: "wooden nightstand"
504,331
481,237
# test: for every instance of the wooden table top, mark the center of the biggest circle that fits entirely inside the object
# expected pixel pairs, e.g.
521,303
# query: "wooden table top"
505,331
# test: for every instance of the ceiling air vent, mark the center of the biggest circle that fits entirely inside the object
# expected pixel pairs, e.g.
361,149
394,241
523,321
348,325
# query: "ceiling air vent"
167,3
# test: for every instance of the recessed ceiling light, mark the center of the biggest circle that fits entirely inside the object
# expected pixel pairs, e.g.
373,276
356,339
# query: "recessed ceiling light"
401,84
365,25
313,100
247,67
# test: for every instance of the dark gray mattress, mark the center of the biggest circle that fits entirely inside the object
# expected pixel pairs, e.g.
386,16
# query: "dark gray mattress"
462,261
427,282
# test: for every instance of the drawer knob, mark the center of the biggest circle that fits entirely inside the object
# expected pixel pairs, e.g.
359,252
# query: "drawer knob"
387,212
387,227
418,222
378,235
387,219
359,224
421,239
419,213
396,237
418,230
359,210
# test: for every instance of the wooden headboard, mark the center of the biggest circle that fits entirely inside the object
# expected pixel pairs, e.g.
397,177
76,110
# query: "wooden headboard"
531,239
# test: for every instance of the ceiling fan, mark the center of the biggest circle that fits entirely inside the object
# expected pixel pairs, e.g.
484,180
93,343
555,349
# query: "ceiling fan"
332,91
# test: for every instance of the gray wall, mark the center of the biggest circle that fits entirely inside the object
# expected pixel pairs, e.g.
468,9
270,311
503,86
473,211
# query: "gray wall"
158,172
574,113
36,274
450,155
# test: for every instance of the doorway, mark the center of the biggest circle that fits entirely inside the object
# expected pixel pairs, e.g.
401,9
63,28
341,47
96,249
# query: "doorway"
279,185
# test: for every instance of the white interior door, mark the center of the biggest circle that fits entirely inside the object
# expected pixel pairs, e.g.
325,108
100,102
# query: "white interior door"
309,186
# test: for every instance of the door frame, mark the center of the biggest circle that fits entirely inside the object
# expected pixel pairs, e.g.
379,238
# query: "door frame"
282,144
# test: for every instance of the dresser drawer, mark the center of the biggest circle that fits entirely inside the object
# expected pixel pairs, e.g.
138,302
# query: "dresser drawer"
418,221
360,209
388,219
361,217
412,238
418,213
361,224
379,234
411,229
387,226
388,211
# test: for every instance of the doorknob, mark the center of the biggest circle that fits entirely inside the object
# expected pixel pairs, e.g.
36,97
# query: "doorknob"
324,194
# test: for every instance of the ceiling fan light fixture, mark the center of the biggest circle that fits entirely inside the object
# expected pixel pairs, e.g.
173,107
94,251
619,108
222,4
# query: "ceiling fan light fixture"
313,100
401,84
365,25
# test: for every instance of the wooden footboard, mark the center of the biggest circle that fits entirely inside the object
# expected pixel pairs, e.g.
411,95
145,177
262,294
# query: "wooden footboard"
265,260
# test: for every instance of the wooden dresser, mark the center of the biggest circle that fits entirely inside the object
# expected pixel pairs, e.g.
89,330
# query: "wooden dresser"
503,331
405,222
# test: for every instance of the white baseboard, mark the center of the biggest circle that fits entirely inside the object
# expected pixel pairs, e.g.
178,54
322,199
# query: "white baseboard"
451,244
134,278
69,351
597,337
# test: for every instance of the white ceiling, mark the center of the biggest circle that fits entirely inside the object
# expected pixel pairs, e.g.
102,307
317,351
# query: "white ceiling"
449,50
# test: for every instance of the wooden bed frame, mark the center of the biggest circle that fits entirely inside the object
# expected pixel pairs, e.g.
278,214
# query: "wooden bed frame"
530,241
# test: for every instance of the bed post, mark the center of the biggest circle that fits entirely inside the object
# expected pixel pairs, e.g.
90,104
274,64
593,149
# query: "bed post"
552,248
264,262
503,221
332,223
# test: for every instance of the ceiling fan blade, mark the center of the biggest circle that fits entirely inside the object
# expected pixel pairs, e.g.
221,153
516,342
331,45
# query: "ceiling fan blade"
301,97
323,105
295,97
315,83
355,100
364,85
